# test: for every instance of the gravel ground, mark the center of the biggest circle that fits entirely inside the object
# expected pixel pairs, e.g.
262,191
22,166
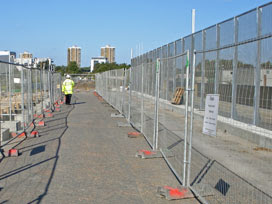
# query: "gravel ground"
82,156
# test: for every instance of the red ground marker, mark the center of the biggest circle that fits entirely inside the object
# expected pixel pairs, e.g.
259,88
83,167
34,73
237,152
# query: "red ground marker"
57,109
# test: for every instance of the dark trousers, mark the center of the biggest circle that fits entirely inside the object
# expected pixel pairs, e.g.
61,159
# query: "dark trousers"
68,99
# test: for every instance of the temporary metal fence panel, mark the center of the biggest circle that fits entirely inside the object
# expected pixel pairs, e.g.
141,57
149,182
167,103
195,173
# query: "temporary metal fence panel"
232,59
135,109
125,94
24,92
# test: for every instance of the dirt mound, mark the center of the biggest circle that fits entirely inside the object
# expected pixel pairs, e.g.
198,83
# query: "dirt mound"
84,86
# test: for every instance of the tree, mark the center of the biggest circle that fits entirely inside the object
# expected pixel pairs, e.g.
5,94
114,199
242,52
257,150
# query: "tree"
72,68
60,69
109,66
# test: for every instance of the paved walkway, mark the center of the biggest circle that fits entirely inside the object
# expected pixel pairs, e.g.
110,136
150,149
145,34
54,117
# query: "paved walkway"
82,156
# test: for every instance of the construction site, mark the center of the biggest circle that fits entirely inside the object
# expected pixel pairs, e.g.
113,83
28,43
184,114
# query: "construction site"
188,122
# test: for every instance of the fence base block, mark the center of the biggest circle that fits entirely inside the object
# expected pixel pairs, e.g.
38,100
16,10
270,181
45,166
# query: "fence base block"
135,134
40,123
57,109
41,116
170,193
34,134
23,134
122,124
116,115
148,154
13,153
49,115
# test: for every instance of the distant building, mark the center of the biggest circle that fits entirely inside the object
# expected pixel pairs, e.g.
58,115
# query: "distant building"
96,60
7,56
26,55
109,53
25,58
42,62
74,55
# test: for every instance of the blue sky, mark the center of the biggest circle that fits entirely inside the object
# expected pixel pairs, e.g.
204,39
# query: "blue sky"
47,28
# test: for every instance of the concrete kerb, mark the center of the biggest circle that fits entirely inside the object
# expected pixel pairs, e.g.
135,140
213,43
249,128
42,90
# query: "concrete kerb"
238,131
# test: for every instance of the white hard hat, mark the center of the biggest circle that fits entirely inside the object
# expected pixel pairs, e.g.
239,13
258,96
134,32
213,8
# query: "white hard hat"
68,76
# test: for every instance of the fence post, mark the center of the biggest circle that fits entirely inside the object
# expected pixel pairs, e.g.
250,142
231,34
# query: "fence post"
41,88
256,101
9,88
142,98
157,94
22,93
130,84
191,119
31,93
60,88
123,91
234,75
174,69
202,93
186,120
216,81
167,73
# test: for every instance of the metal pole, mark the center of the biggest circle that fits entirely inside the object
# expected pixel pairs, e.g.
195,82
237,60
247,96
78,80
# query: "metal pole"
186,120
193,20
191,120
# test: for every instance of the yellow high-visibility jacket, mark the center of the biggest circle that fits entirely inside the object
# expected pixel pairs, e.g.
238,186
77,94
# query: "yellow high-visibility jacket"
67,86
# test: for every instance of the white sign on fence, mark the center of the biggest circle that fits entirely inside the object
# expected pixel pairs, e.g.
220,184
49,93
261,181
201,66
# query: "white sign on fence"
17,80
211,112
